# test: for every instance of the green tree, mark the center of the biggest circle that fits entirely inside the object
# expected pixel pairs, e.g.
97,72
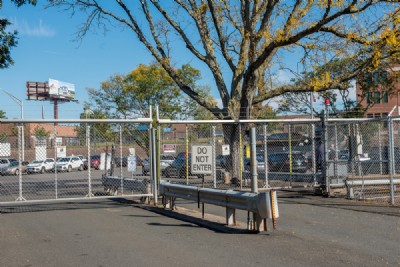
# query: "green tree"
8,40
40,132
99,132
2,115
131,95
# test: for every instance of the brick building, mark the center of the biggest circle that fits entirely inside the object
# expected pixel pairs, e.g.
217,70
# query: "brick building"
66,135
377,96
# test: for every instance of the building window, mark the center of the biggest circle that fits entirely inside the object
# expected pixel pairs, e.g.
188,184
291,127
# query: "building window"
377,115
384,97
384,115
369,97
370,116
383,77
377,97
368,78
376,78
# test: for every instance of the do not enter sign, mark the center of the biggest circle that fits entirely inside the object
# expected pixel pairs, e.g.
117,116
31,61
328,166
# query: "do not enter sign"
201,160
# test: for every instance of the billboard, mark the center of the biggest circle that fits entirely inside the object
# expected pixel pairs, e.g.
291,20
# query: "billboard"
60,89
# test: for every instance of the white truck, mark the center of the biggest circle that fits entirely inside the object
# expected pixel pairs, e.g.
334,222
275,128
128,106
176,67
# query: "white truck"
41,166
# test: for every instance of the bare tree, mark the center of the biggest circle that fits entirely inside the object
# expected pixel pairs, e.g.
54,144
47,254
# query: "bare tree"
242,42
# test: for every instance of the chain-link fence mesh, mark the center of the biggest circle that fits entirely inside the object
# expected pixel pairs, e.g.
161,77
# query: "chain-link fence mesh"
288,149
73,160
360,160
344,157
353,158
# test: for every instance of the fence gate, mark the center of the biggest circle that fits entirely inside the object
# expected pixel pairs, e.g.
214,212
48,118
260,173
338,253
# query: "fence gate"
285,153
74,159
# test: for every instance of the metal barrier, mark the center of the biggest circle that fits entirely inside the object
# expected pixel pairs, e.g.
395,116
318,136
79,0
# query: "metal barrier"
263,205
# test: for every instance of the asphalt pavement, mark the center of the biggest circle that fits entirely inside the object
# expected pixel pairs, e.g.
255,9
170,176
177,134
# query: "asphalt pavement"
311,231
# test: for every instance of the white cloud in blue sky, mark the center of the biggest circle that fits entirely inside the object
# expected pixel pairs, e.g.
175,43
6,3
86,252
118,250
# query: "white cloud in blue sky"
37,29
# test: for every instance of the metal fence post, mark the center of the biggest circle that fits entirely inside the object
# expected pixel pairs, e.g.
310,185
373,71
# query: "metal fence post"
335,163
391,159
120,154
20,152
213,156
325,156
158,147
265,155
253,160
55,158
90,194
240,156
153,163
380,149
121,162
290,155
187,154
313,148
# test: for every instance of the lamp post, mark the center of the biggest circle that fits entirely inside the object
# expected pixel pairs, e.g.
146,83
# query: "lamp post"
21,104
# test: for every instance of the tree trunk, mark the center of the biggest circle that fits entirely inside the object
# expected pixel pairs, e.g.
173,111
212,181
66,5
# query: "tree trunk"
232,137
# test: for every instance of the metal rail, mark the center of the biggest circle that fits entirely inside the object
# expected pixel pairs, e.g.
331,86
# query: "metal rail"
263,205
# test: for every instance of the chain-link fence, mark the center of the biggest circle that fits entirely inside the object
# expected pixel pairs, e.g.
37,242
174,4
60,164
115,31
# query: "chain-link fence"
287,146
45,161
355,158
363,157
349,157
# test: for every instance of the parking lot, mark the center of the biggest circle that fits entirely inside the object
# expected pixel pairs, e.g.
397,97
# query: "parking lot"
311,231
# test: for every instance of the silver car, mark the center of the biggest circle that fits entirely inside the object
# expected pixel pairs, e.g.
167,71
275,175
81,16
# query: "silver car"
13,168
165,161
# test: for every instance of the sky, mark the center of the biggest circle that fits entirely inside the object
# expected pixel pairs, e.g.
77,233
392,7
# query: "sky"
47,48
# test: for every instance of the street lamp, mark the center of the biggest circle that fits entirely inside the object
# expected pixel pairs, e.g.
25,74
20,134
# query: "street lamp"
21,104
16,100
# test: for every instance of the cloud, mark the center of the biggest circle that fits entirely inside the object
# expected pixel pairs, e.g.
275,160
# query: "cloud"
283,76
29,29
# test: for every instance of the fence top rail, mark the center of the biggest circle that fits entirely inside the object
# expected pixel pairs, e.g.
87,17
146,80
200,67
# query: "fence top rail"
362,119
141,120
294,121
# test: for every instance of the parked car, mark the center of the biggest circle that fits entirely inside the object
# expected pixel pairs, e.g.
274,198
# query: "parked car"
41,166
69,164
178,167
221,161
4,162
121,161
280,162
165,161
260,163
13,168
95,161
84,160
